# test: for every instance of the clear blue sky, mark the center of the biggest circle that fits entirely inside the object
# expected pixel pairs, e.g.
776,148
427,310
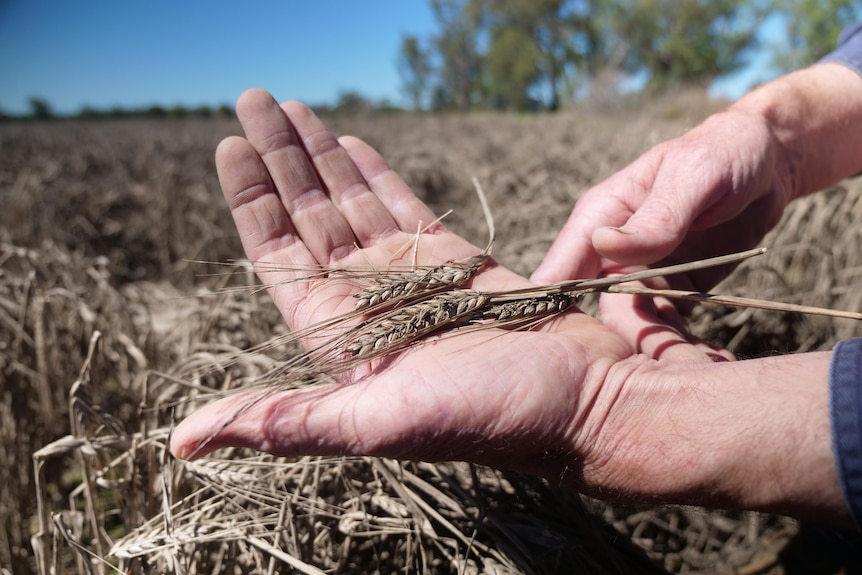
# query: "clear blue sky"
105,53
131,53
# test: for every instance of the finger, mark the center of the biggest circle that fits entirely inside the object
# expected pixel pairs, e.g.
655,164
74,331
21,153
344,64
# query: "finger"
354,419
654,230
638,216
368,217
653,326
662,195
402,203
410,213
318,222
263,224
572,255
267,233
432,406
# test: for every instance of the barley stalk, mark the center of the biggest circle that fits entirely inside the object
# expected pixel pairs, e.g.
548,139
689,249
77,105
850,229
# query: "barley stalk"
503,309
450,275
410,323
403,309
734,301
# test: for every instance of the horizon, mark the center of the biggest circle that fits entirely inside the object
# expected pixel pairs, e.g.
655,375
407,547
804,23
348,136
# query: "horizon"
102,55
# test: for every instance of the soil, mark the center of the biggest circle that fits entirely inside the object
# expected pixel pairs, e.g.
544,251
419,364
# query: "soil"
103,224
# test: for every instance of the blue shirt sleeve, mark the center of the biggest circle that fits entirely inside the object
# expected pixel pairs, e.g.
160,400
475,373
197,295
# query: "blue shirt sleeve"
849,50
845,406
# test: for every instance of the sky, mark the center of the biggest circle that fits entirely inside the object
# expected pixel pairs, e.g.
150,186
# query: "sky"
104,53
134,54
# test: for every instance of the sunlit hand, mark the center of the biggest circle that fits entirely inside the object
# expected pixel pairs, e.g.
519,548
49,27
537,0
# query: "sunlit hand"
550,402
714,190
720,187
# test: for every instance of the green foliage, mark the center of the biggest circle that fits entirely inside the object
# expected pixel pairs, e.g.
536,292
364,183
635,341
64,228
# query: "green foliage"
414,67
457,47
351,102
202,112
156,111
565,38
225,111
502,53
40,109
88,112
813,27
685,41
515,54
512,66
178,111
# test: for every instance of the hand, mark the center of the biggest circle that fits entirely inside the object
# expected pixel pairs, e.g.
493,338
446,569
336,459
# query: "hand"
568,401
712,191
546,402
719,188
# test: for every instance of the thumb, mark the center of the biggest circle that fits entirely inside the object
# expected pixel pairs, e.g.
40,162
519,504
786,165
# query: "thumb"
621,222
316,421
652,232
360,418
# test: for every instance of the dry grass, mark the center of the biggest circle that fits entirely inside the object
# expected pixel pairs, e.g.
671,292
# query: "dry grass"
141,201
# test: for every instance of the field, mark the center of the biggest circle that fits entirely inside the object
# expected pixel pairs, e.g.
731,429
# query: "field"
101,228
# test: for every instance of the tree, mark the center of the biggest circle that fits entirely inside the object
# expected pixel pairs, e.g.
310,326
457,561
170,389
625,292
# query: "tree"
565,34
512,68
513,53
40,109
685,40
414,67
352,102
155,111
225,111
812,28
508,53
456,45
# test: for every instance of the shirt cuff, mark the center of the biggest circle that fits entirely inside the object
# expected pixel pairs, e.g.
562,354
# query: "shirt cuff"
849,50
845,407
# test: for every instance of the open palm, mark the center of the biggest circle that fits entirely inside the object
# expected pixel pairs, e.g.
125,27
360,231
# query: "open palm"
540,401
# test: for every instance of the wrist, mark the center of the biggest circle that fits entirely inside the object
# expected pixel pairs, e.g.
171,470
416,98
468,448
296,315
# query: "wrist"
814,116
753,434
646,451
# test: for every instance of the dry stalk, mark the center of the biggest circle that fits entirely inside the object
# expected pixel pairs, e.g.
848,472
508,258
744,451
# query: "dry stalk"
452,274
390,289
404,325
403,309
395,328
389,332
734,301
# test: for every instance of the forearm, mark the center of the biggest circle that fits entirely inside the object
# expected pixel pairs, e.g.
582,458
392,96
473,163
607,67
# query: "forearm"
753,434
815,116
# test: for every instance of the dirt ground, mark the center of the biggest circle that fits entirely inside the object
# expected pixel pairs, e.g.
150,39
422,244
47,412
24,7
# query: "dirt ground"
100,228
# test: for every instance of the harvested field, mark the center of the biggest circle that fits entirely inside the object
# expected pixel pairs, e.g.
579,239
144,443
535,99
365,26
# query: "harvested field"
108,334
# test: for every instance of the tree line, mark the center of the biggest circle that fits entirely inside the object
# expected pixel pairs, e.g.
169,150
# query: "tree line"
529,54
346,102
41,109
542,54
